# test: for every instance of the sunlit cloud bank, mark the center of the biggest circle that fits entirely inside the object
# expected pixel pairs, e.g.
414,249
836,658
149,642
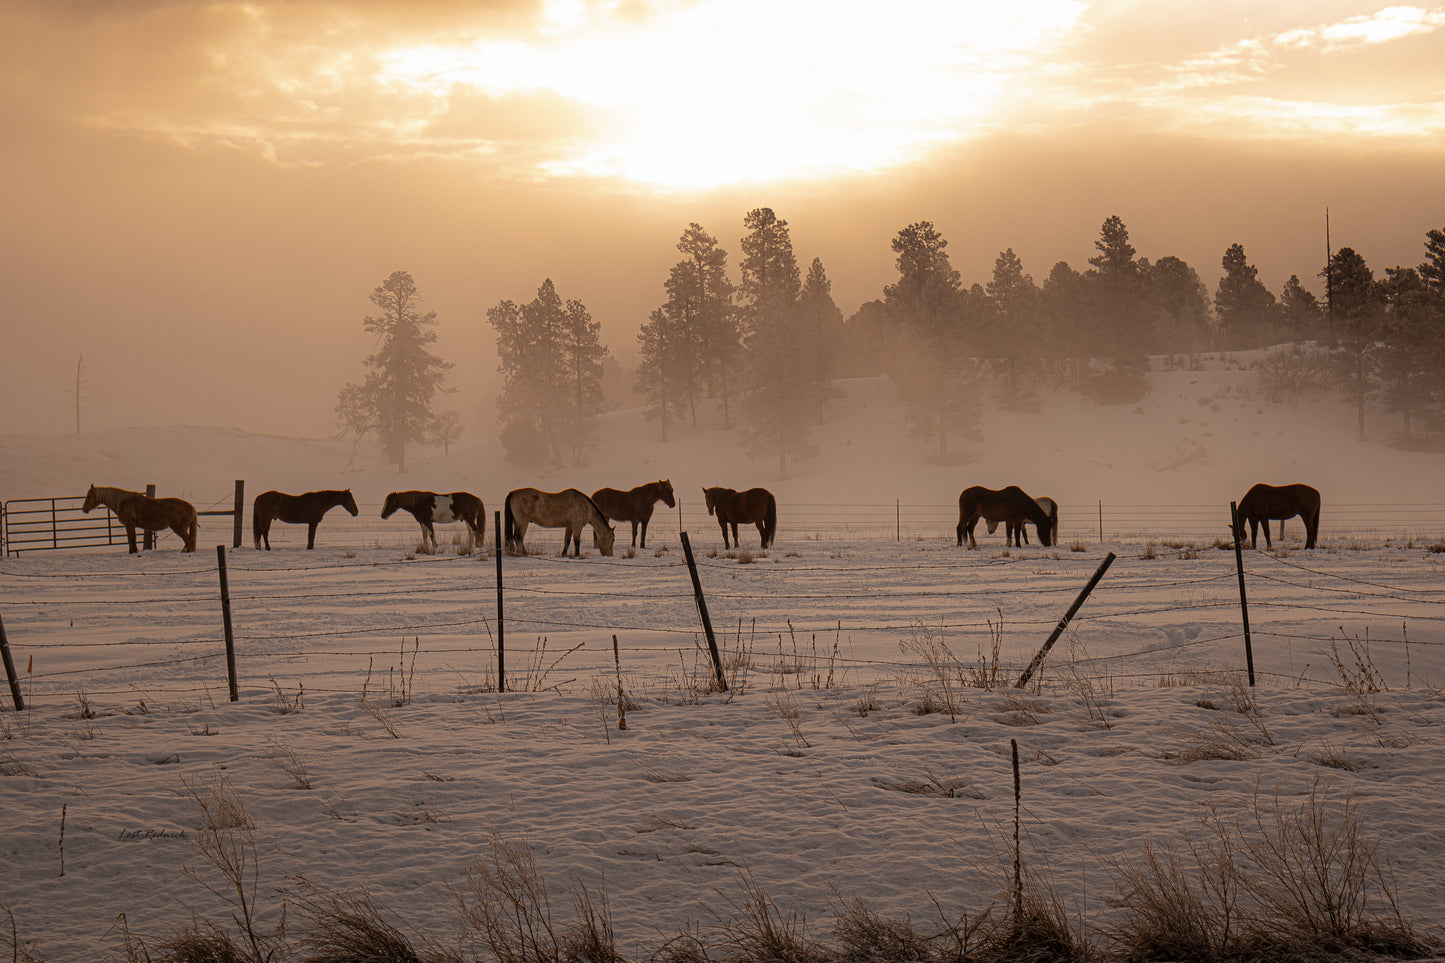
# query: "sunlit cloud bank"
699,93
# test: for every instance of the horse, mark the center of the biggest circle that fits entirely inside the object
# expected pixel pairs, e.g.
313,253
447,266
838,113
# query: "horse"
296,509
1011,505
634,505
1265,502
1051,509
755,505
136,510
430,508
570,510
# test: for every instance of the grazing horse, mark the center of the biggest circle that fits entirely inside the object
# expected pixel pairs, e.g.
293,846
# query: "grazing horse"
755,505
136,510
1051,509
570,510
1265,502
296,509
1011,505
430,508
634,505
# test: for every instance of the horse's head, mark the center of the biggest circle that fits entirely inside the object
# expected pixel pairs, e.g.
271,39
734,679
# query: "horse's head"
602,538
92,499
390,506
707,496
667,499
349,502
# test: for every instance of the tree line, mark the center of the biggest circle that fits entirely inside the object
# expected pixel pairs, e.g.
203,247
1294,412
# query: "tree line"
766,350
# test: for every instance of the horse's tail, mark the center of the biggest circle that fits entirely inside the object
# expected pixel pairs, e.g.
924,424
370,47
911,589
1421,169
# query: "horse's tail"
509,522
256,522
770,521
194,535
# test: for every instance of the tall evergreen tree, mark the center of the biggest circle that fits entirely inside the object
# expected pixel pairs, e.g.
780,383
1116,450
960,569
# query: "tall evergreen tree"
1407,348
655,378
931,370
1300,312
713,322
551,362
1357,304
1063,339
1182,303
1246,310
1013,303
396,396
776,400
822,335
1115,289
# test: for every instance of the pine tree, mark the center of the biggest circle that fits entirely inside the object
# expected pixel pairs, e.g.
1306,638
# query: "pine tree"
822,335
1358,306
926,304
1403,357
776,399
396,397
1300,312
1246,310
1014,315
1115,291
551,362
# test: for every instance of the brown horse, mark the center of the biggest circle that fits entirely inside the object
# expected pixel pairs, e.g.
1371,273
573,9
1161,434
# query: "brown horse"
305,509
135,510
570,510
1265,502
1011,505
1051,509
634,505
755,505
430,508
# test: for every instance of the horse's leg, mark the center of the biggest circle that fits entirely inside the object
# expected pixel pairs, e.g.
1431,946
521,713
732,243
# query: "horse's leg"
968,529
567,540
311,533
130,537
644,532
737,542
724,526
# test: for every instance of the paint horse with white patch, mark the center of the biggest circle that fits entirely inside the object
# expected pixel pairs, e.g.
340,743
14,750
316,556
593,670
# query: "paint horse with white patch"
431,508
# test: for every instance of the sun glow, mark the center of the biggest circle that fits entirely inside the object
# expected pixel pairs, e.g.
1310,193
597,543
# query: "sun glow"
721,91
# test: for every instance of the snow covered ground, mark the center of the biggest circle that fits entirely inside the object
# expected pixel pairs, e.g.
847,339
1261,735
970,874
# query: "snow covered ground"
863,748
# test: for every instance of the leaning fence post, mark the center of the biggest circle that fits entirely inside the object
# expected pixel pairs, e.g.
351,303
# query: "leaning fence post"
501,632
226,621
1064,622
240,501
10,670
702,611
1243,602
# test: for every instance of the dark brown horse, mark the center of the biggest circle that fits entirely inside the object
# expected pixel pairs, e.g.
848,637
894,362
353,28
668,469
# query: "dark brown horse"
569,510
1265,502
307,509
430,508
634,505
136,510
1051,509
1011,505
755,505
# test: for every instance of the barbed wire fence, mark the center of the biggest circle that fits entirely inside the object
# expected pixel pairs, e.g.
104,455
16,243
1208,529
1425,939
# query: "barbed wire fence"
845,609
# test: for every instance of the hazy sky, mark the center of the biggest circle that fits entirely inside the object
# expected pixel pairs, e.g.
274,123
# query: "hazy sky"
200,196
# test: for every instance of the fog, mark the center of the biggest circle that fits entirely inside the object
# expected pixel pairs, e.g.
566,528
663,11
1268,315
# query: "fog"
210,259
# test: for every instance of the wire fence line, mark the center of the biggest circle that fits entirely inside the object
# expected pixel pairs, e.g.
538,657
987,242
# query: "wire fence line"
119,626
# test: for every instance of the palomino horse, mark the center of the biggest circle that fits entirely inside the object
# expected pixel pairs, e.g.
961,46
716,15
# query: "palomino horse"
570,510
755,505
135,510
307,509
430,508
1265,502
1011,505
634,505
1051,509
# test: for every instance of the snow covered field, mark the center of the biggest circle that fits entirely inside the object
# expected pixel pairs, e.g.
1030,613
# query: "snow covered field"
864,747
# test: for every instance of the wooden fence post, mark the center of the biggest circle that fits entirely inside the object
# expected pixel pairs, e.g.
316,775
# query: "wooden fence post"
240,512
722,683
1064,622
148,542
501,632
226,620
1243,602
10,670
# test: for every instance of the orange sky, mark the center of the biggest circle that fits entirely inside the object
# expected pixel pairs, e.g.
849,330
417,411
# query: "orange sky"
200,196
